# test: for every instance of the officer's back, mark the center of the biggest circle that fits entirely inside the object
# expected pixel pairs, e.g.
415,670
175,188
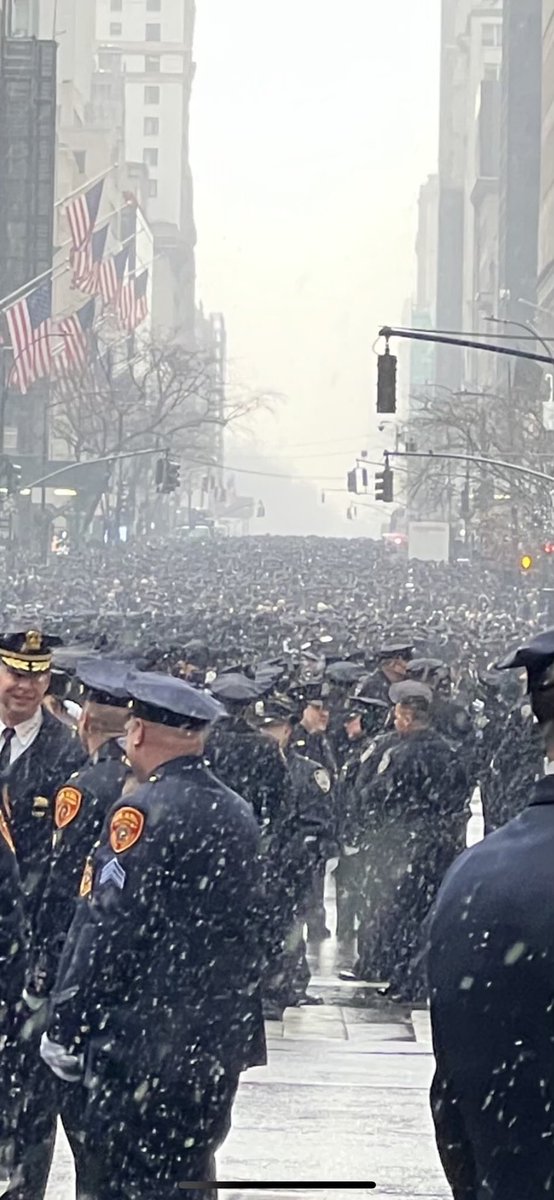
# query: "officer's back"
491,974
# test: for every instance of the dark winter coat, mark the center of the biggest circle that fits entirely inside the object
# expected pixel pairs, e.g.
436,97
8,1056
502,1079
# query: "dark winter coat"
491,974
162,961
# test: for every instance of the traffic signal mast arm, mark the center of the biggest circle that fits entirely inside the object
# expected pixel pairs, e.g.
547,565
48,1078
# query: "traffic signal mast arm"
416,335
476,458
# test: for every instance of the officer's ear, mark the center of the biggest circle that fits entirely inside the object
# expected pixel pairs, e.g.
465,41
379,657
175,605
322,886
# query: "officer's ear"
136,731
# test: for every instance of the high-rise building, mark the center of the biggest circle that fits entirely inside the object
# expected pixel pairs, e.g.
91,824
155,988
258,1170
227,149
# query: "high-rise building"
546,222
471,54
520,157
151,43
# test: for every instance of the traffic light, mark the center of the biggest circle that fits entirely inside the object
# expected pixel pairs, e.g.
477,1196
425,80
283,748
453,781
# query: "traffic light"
352,481
365,477
386,382
13,478
168,475
526,563
384,485
172,476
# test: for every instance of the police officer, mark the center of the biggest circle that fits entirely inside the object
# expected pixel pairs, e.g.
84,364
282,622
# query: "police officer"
312,813
238,753
361,718
392,662
309,740
12,977
491,975
37,754
158,995
80,808
417,811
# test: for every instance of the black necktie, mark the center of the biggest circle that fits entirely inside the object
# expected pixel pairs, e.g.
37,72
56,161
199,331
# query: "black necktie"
5,752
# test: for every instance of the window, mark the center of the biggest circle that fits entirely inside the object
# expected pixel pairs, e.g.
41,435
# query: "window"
150,156
151,126
151,95
152,187
153,5
107,61
152,64
116,28
116,5
492,34
153,33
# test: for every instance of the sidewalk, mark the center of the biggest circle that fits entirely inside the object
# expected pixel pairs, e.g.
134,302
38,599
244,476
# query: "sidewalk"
343,1099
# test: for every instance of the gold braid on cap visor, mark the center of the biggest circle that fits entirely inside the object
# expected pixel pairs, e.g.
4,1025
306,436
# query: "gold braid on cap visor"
33,666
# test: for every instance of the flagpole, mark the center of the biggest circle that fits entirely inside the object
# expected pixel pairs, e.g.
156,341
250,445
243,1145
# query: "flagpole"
84,187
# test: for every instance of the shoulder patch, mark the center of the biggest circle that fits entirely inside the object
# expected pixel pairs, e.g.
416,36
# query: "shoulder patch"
5,832
86,881
323,780
68,803
126,828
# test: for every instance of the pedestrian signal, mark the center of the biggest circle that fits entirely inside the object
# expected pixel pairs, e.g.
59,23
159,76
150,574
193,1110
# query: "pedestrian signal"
384,485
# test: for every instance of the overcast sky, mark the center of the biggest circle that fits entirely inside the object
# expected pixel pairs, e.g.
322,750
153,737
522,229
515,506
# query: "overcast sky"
314,123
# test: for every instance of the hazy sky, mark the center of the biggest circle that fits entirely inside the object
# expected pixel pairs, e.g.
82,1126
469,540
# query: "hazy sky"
314,123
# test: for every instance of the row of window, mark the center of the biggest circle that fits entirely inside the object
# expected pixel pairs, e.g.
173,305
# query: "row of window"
153,33
110,60
151,5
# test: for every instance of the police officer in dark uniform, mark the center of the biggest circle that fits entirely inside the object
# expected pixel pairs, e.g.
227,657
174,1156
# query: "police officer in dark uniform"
12,978
158,996
80,808
311,813
37,754
417,810
360,725
240,755
491,975
392,661
310,741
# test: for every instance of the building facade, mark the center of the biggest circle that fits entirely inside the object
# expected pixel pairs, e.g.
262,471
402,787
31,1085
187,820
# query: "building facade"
520,157
545,297
151,43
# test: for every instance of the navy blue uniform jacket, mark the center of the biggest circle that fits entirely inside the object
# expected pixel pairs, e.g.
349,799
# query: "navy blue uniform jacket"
160,972
491,972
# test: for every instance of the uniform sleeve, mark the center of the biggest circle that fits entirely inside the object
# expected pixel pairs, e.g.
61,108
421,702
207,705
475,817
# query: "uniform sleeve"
12,936
72,842
453,1144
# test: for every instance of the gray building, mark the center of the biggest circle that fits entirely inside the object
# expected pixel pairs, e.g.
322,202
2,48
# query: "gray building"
520,157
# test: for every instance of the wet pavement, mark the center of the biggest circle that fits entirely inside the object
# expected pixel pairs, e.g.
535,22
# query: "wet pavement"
342,1102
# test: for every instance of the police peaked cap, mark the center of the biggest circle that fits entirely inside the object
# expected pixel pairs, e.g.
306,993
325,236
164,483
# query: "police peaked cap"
538,659
103,681
235,688
165,700
411,690
29,653
395,650
359,705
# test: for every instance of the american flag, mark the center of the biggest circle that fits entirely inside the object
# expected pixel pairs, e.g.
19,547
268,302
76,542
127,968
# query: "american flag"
86,263
110,275
133,305
75,331
30,327
82,214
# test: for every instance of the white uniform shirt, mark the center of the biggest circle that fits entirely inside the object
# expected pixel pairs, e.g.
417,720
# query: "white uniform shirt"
25,734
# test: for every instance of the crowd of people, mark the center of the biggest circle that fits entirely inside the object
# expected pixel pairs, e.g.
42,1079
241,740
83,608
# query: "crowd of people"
189,736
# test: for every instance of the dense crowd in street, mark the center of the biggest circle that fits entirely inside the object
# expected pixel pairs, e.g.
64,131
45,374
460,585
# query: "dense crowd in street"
190,734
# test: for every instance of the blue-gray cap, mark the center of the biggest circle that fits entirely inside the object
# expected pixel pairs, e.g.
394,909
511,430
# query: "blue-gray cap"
165,700
103,681
537,657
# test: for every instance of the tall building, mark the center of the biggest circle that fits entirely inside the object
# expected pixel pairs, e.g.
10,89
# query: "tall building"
546,222
471,54
151,43
520,161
